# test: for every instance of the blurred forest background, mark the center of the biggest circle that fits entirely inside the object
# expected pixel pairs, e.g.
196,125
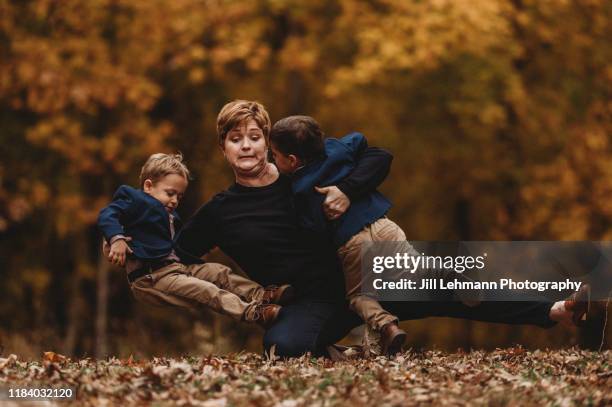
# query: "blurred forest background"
498,112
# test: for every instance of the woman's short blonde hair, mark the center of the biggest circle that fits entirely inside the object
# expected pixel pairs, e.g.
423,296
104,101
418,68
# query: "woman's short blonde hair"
236,112
159,165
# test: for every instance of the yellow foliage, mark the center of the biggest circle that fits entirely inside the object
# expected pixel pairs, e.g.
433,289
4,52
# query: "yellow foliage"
498,112
502,103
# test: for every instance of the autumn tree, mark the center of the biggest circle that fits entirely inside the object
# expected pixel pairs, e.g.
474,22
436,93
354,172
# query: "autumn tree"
497,111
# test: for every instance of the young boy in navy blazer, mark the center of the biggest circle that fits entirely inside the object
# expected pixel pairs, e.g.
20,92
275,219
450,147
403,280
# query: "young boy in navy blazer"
299,148
140,224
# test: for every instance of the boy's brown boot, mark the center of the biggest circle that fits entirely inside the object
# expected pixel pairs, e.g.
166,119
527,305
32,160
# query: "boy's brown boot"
281,295
392,339
264,315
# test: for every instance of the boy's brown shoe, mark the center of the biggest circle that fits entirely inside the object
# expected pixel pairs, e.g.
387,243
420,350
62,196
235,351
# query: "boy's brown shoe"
392,339
278,294
266,314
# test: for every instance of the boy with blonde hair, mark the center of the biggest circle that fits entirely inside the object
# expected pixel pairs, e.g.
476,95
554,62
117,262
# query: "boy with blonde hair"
140,224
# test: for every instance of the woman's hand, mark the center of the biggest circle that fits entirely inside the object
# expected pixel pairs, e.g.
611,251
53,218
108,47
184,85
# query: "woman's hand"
336,202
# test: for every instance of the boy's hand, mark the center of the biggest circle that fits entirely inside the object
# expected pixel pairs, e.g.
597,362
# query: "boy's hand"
106,247
118,251
336,202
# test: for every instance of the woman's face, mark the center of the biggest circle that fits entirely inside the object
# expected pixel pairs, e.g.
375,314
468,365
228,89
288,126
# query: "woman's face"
245,148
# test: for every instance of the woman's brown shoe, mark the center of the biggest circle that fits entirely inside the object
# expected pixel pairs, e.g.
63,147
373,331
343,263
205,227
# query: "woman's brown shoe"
579,304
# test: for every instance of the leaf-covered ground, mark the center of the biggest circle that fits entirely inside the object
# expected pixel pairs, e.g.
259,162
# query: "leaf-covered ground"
503,377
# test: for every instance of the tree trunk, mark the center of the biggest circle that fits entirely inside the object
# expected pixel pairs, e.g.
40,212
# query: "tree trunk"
76,302
102,308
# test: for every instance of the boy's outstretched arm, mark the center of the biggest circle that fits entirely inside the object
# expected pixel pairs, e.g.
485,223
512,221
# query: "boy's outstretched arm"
109,222
111,216
118,251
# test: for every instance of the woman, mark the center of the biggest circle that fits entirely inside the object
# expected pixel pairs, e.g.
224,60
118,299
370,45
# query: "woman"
254,223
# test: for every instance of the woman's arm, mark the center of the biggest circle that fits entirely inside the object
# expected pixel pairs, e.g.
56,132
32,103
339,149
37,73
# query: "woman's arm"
198,236
371,169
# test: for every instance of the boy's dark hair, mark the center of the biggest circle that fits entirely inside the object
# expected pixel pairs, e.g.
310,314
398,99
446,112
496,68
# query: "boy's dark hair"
298,135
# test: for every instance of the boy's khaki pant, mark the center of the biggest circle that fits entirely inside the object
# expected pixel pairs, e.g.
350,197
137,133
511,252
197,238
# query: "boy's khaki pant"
211,285
349,254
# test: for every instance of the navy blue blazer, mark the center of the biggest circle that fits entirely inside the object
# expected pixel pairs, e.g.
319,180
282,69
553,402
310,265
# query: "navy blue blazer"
338,162
137,214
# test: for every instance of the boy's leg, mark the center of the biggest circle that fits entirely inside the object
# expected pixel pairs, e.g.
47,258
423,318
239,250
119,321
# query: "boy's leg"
368,308
371,312
171,285
223,277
